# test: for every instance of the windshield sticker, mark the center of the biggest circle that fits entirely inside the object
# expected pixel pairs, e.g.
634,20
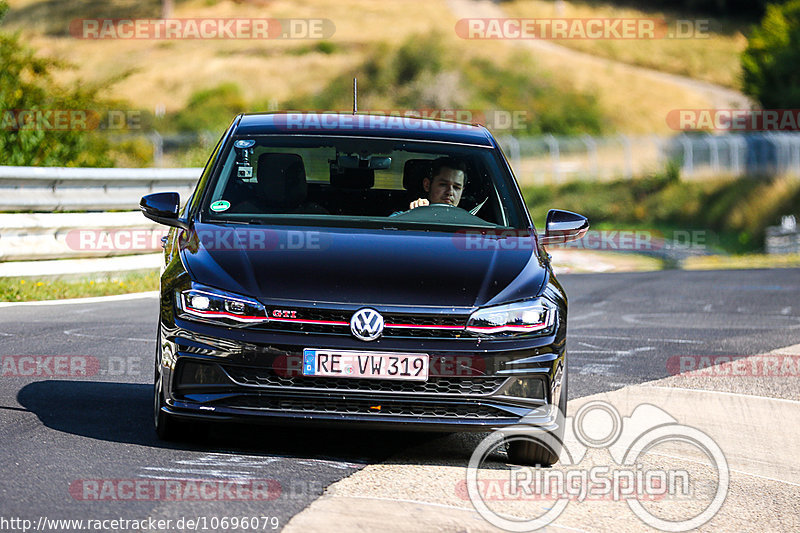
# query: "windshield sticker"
220,205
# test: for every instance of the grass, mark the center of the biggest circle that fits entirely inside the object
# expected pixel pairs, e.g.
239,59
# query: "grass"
24,289
633,102
714,58
169,72
734,213
428,71
269,72
717,262
569,261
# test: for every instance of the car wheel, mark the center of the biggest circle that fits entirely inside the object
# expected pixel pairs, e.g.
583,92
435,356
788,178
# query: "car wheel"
165,424
544,450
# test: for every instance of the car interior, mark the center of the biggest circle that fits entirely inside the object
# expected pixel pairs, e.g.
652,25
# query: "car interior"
306,181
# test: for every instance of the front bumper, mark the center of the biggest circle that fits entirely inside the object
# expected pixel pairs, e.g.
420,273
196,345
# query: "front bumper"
223,374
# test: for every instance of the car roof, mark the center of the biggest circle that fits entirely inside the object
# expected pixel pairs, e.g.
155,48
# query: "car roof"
368,125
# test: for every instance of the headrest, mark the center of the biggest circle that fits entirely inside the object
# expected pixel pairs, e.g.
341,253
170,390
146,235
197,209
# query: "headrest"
414,171
353,178
282,178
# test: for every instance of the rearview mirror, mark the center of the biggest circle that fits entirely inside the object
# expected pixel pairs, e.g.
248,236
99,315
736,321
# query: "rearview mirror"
563,226
163,207
374,162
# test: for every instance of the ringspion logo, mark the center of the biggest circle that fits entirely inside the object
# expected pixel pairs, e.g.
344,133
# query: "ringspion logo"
637,476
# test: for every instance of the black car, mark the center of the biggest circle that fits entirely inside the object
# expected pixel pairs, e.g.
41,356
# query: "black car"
299,286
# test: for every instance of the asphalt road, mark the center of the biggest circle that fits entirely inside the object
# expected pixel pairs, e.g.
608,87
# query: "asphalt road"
60,433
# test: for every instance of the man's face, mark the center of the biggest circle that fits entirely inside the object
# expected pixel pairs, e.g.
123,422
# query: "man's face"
446,187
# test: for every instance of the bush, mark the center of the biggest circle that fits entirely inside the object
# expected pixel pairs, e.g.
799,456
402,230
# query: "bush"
26,85
728,8
424,72
770,61
211,109
739,210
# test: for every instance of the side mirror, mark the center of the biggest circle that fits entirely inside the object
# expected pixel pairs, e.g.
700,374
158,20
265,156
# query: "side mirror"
563,226
163,208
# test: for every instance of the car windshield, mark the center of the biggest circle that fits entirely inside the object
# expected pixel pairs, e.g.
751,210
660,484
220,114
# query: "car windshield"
361,182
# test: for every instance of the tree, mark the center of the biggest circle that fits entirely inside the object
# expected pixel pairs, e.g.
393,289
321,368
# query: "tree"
27,90
770,62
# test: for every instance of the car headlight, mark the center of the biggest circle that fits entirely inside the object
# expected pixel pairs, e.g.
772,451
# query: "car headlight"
519,318
219,306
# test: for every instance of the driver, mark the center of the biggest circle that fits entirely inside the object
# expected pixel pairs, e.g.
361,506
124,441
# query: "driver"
445,185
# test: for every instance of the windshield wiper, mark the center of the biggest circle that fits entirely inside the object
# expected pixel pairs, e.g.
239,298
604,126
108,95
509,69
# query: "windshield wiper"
231,221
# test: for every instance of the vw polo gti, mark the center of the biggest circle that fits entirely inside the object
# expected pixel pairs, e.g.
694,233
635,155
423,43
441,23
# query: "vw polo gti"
299,284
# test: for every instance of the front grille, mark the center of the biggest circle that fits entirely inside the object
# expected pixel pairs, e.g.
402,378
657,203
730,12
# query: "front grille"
469,385
337,322
426,333
343,407
433,320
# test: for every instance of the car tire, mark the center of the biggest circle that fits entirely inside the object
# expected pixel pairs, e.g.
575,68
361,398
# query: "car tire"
166,425
544,450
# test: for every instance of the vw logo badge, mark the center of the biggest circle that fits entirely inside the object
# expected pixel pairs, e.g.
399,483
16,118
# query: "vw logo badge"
366,324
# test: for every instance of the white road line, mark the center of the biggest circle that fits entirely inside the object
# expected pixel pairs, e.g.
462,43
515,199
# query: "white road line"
584,317
590,345
91,300
257,461
71,332
222,474
613,337
738,394
241,464
659,319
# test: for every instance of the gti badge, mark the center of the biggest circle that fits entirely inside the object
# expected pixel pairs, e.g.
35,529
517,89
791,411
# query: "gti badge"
366,324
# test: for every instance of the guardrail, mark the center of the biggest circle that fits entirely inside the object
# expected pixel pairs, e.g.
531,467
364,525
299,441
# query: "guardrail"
548,159
35,236
52,189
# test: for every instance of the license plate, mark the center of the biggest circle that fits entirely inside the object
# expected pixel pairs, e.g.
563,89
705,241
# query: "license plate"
371,365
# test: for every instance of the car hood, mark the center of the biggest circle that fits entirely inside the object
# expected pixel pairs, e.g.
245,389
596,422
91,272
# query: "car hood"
358,266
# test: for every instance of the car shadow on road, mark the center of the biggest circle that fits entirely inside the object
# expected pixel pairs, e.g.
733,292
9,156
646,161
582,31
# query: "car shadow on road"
122,412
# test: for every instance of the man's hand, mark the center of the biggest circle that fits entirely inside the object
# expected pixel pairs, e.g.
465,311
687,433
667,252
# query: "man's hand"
419,202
